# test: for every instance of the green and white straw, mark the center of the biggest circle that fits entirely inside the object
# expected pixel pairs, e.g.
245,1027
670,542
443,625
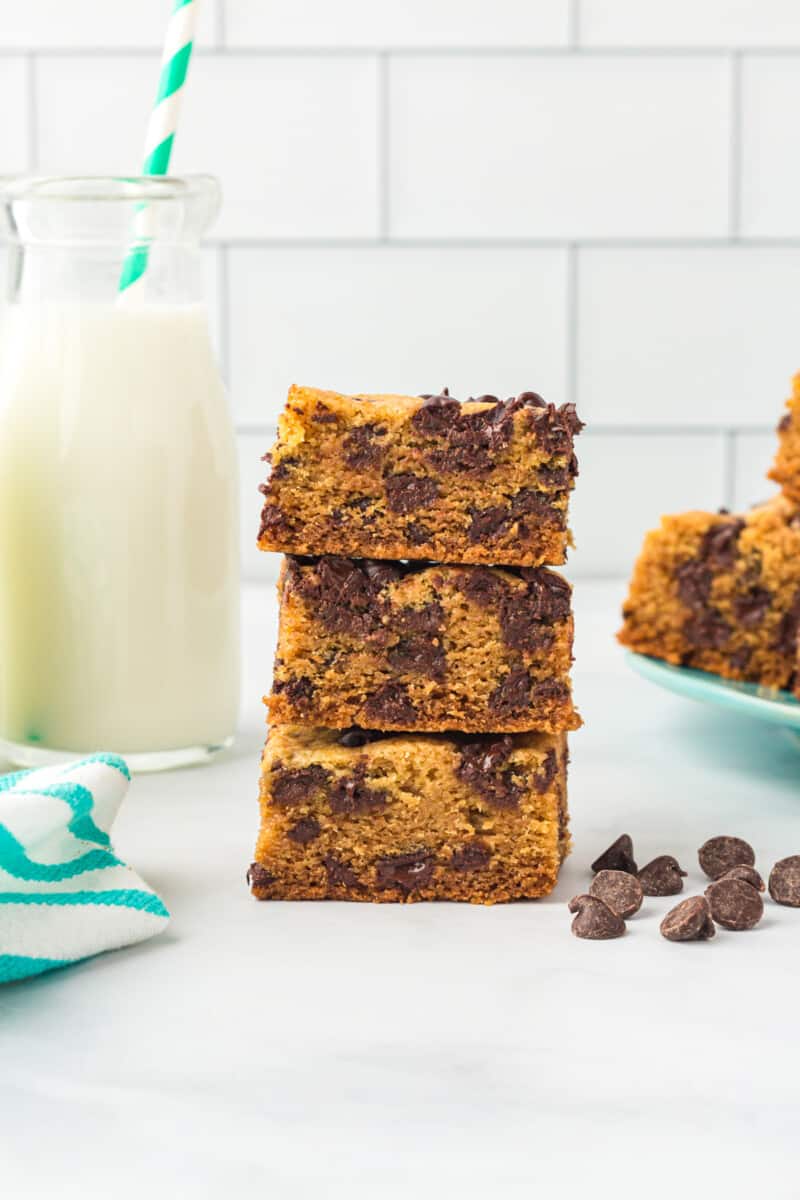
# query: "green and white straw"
163,123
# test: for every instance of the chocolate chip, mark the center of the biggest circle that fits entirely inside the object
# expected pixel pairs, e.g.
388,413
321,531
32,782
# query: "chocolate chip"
405,871
297,689
340,875
734,904
340,594
421,655
594,919
512,695
483,587
472,857
784,881
259,877
751,609
549,691
543,779
362,450
381,573
428,618
618,857
273,520
785,422
619,890
694,583
532,398
305,831
719,854
392,704
529,502
747,875
707,631
359,737
689,921
436,414
555,427
662,876
720,543
405,493
350,795
488,523
786,640
291,787
417,534
549,593
323,415
483,768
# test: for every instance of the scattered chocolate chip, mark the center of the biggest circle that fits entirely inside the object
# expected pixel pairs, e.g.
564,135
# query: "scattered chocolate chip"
349,795
719,854
391,704
259,877
291,787
618,857
356,736
405,871
747,875
362,450
483,767
751,609
594,919
662,877
784,881
472,857
689,921
619,890
340,875
305,831
512,695
405,493
734,904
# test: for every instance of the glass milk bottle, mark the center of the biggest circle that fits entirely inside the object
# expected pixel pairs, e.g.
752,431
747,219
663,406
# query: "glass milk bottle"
119,573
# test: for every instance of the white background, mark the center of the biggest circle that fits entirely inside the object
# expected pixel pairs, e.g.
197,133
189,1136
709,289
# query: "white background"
598,199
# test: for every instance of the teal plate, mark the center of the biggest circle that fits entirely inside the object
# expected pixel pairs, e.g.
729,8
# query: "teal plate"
748,699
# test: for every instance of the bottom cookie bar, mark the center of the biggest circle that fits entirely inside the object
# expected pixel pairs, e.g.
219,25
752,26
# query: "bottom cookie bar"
399,817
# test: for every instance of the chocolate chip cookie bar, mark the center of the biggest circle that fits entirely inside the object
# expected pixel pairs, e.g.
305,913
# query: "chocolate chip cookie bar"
403,477
721,593
382,817
415,646
786,468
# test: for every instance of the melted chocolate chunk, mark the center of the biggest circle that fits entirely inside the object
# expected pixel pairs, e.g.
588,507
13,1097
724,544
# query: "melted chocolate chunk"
513,695
720,543
785,422
542,780
419,655
340,593
408,872
786,640
483,768
740,658
707,631
417,534
549,689
751,609
273,519
258,876
306,830
298,690
291,787
488,523
356,736
340,875
694,583
405,493
323,415
350,794
391,703
381,574
474,856
435,414
362,450
483,587
428,618
555,427
529,502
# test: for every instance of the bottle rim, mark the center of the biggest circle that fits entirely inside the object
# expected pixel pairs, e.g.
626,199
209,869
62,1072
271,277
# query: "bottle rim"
111,189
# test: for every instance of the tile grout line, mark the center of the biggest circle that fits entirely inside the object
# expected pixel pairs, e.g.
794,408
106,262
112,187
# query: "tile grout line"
32,108
370,242
735,148
383,131
564,50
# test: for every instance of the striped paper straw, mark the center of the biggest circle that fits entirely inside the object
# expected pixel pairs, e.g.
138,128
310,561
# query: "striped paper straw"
163,122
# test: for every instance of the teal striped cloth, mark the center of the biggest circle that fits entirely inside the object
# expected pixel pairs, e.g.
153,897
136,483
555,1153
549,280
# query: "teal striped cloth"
64,894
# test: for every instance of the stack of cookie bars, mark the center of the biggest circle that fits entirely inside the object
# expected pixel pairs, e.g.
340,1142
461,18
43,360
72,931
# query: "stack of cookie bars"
421,695
720,592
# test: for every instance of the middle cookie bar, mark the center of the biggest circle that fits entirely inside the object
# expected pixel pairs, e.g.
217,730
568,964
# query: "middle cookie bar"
415,646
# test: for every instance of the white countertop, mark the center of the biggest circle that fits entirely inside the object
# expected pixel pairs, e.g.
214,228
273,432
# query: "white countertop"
344,1050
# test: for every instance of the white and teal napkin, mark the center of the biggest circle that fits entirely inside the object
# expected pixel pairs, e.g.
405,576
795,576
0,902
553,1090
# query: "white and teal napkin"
64,894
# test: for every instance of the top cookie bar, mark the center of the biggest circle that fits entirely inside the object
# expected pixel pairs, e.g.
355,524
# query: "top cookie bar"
390,477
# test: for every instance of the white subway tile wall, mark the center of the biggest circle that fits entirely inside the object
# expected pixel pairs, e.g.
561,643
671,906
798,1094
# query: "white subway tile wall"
599,199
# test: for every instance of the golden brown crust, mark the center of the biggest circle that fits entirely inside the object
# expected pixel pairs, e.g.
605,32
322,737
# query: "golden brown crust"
786,468
443,647
406,818
372,476
720,593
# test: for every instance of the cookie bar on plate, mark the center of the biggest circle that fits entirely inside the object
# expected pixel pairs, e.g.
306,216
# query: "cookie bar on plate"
721,593
786,468
392,817
415,646
409,477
